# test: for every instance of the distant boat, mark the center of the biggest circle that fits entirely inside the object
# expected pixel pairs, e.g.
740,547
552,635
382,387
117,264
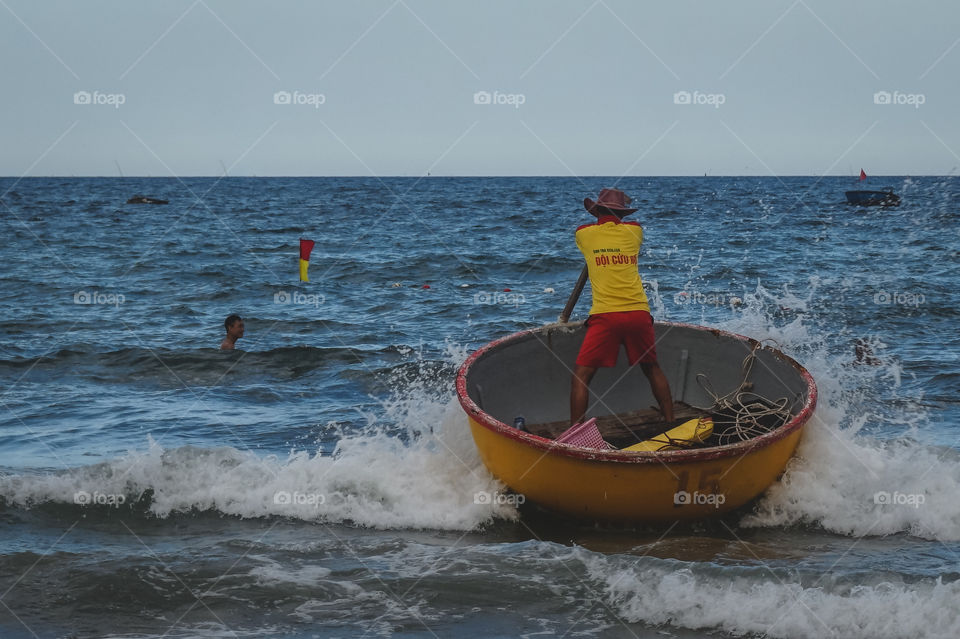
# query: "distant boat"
873,198
143,199
886,197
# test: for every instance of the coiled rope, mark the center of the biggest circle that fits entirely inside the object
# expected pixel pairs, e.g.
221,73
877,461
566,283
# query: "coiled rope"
742,414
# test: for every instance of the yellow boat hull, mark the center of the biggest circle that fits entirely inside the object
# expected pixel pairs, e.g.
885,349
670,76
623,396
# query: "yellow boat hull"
520,373
641,490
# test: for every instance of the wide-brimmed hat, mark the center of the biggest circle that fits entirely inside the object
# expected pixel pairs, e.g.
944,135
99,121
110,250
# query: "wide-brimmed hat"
614,200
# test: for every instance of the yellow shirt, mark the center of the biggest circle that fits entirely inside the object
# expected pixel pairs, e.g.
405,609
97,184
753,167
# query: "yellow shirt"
610,247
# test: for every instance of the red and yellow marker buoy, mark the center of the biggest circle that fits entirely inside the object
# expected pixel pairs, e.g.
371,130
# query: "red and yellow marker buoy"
306,246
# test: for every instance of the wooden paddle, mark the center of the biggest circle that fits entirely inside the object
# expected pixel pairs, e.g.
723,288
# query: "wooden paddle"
574,296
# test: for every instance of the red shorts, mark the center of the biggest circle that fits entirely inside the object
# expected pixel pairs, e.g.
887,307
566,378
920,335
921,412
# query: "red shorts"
607,331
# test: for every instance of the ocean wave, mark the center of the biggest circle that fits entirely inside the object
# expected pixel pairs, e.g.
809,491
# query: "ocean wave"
759,602
196,366
428,479
841,479
859,486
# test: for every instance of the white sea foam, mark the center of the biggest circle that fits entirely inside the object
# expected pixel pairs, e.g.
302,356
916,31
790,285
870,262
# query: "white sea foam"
657,592
429,479
271,572
841,479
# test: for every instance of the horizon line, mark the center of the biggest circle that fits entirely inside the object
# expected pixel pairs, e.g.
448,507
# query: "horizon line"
619,177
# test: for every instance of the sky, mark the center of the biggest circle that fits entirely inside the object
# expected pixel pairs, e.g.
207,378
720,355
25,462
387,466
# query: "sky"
528,87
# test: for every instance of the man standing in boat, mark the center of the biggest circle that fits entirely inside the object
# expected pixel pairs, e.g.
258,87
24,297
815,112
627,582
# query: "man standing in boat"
620,314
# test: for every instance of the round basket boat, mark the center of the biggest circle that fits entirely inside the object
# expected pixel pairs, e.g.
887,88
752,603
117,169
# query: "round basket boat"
528,374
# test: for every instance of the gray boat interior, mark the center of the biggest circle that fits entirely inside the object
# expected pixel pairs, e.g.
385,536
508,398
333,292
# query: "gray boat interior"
530,376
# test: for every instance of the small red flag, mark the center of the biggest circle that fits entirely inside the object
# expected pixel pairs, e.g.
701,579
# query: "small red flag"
863,176
306,246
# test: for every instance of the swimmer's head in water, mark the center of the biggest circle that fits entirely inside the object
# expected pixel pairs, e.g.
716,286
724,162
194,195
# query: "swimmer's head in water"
234,325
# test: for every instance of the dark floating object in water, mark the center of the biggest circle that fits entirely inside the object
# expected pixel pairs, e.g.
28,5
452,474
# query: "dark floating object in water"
143,199
864,353
873,198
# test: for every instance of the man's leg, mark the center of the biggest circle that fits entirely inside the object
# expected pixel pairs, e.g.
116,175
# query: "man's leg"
660,388
580,392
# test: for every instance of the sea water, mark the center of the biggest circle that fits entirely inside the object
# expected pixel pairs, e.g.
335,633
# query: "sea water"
322,481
